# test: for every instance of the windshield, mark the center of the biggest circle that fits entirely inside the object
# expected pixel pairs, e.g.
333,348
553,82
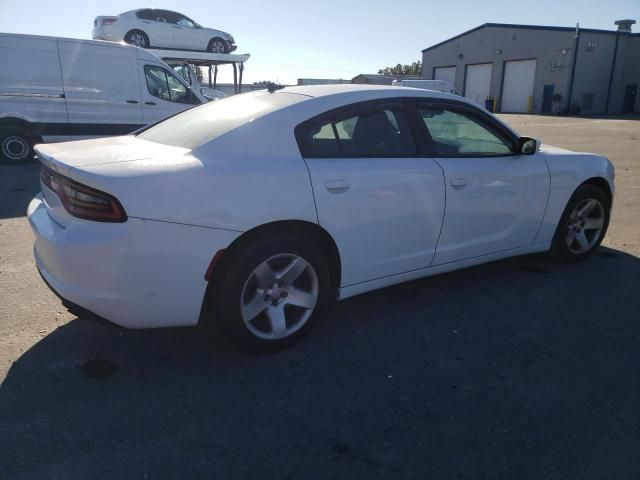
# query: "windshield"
202,124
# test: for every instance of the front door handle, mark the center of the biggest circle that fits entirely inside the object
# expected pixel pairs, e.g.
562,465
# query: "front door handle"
459,183
149,103
337,186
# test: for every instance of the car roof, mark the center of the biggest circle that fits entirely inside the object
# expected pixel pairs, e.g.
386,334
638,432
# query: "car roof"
148,8
368,91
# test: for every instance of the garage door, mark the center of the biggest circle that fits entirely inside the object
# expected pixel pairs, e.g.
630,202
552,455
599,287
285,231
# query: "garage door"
518,85
478,82
448,74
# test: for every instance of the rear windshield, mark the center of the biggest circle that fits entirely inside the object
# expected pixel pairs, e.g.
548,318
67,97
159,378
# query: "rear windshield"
202,124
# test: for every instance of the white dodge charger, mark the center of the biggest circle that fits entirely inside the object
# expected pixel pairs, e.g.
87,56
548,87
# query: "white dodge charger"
254,212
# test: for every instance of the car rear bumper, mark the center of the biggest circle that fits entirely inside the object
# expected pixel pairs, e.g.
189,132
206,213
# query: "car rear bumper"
137,274
107,33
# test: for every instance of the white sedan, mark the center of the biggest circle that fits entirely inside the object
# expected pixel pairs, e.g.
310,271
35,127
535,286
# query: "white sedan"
256,211
155,28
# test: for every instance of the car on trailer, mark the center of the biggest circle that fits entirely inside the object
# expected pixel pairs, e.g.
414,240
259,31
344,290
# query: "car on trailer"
157,28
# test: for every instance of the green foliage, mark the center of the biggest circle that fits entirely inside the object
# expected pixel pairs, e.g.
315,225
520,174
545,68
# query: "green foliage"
413,69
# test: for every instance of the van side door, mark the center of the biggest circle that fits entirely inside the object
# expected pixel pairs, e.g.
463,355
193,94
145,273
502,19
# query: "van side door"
163,93
101,88
31,85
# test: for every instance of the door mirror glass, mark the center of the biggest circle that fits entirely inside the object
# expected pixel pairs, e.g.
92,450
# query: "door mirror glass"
528,145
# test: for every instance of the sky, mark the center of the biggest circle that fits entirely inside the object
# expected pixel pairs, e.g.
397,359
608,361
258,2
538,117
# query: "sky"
290,39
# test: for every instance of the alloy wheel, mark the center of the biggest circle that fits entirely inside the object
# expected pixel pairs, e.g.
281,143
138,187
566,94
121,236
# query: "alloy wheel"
279,296
138,40
585,225
217,46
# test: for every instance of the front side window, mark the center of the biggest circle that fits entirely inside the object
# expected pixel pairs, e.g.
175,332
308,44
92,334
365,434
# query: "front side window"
456,133
162,84
184,21
169,16
373,133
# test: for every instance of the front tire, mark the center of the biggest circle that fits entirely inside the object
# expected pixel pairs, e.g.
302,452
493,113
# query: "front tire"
137,38
16,145
583,224
271,293
217,45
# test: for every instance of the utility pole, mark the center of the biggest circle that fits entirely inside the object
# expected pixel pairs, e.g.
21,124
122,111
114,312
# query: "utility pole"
573,67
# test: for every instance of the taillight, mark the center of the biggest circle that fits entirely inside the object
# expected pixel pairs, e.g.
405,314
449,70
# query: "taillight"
109,21
82,201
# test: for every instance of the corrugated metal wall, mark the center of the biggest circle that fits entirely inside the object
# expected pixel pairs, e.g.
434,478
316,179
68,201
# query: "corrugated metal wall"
554,52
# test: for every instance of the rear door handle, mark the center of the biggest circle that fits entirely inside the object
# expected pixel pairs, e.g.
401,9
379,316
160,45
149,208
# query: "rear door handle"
132,101
337,186
459,183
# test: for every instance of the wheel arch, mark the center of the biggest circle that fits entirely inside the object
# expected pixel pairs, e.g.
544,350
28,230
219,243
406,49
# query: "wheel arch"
312,231
23,124
600,182
19,122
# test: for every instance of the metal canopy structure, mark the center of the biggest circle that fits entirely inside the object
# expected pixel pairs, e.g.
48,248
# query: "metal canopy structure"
207,59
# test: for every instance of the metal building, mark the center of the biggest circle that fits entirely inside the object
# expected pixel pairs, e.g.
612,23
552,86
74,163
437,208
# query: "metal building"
539,69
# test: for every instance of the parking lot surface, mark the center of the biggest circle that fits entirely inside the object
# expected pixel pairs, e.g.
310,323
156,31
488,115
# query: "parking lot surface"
523,368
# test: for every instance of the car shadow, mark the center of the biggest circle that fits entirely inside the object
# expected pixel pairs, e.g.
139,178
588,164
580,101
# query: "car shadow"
18,185
513,369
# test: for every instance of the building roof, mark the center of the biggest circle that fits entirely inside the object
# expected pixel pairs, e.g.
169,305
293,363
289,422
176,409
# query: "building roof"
526,27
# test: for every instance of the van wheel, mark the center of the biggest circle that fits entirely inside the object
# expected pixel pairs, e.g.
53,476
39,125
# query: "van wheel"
137,38
16,145
217,45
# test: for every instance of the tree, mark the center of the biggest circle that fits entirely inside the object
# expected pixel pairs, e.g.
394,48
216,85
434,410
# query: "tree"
199,74
413,69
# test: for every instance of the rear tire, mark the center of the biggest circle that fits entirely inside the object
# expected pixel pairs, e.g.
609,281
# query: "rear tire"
137,38
270,294
583,224
16,145
217,45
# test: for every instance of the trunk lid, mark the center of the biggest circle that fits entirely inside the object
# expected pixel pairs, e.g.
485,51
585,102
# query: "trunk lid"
62,157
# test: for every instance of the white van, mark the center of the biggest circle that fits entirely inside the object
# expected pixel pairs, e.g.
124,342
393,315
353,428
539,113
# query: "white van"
57,89
436,85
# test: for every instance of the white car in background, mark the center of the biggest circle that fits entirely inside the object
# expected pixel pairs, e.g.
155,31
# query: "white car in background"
156,28
256,211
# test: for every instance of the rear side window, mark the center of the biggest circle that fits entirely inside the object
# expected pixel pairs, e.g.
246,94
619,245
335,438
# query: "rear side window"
145,14
200,125
371,133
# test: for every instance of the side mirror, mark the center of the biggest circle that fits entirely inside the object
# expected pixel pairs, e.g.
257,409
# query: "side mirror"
528,145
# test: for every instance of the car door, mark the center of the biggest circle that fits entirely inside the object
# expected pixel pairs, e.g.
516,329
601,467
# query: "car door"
496,198
155,23
187,35
163,93
380,200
